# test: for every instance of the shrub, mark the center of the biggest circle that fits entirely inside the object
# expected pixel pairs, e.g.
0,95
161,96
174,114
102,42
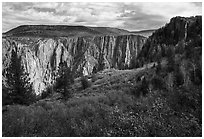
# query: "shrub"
47,92
158,67
170,81
179,78
94,78
85,83
6,99
183,98
196,76
135,91
141,88
144,87
158,82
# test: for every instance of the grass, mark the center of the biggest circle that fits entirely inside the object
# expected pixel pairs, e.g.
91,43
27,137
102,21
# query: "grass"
112,109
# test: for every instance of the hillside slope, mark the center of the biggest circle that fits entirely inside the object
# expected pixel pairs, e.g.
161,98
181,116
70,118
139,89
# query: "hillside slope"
118,103
178,34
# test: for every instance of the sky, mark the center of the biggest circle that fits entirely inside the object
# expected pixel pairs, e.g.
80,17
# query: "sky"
130,16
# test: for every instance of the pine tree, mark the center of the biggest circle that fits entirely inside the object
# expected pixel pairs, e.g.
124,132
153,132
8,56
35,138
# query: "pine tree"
158,60
170,59
85,82
159,67
20,89
64,79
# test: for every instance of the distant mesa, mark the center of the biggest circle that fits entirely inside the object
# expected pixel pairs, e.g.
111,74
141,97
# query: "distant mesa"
62,31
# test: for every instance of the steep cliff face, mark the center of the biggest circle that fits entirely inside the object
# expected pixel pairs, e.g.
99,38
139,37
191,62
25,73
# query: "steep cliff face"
179,32
84,55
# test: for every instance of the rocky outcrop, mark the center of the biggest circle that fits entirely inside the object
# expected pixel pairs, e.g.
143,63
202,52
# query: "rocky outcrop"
179,32
84,55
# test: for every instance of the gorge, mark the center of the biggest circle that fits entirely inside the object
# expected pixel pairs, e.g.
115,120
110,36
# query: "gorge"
83,54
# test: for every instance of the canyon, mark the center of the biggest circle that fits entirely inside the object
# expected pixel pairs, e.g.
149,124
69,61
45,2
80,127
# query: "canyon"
84,55
87,50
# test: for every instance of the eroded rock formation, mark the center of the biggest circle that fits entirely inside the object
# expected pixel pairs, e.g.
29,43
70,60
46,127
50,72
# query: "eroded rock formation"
84,55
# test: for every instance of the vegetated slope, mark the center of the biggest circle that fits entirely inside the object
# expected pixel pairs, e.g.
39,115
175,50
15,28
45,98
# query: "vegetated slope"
145,33
180,33
118,103
62,31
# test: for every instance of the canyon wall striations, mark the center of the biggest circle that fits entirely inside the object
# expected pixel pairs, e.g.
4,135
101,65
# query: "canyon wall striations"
84,55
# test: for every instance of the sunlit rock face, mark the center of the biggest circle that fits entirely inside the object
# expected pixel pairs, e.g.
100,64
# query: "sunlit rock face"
84,55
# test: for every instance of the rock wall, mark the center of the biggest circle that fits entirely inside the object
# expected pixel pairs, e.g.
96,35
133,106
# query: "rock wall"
84,55
180,30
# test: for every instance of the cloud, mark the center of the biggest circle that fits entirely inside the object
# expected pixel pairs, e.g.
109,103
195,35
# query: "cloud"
44,9
199,4
169,10
130,16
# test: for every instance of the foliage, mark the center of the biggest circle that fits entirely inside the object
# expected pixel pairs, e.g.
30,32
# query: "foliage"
48,92
141,88
134,63
117,113
158,82
64,79
85,82
20,89
180,47
158,67
171,59
6,98
178,76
